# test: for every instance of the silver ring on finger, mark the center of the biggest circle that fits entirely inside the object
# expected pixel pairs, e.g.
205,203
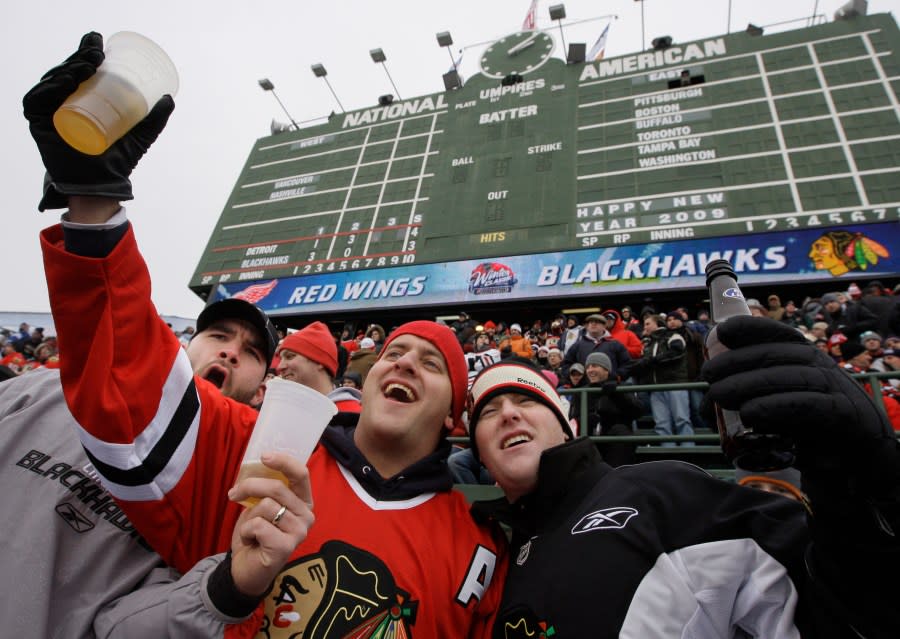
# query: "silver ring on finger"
279,515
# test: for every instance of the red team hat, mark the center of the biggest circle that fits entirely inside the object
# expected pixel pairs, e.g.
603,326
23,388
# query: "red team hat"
445,341
314,342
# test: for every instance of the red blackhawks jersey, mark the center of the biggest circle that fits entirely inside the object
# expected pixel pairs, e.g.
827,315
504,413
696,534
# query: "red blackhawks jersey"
417,567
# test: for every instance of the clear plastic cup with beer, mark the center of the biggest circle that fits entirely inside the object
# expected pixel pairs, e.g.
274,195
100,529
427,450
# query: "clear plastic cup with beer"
291,420
134,75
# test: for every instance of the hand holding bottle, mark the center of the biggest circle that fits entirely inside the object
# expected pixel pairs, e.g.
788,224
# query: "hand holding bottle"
747,447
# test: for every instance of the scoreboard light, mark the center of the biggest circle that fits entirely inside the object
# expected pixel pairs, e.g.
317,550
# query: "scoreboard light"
661,43
577,52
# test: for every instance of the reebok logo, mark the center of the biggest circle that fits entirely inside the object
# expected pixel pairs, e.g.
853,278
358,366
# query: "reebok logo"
604,519
75,519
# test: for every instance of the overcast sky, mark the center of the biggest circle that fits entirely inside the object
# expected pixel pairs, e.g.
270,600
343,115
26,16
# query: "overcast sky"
223,48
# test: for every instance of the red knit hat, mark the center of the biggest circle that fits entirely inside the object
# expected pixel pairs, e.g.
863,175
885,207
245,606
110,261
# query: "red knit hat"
314,342
445,341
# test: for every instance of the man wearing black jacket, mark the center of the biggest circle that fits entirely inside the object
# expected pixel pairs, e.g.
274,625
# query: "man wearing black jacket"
663,549
595,338
847,317
609,412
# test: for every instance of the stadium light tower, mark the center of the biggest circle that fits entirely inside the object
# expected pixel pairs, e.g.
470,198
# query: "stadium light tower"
379,57
558,13
266,85
451,78
320,72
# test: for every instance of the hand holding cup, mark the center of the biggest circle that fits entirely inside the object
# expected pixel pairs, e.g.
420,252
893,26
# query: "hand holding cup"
267,533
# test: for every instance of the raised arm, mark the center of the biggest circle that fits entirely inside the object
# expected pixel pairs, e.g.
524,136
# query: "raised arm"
848,455
126,379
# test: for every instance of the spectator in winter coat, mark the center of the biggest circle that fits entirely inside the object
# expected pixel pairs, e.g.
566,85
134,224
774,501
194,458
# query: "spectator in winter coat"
856,359
776,310
792,316
596,338
819,330
516,343
620,333
882,304
361,361
872,341
570,334
609,412
757,309
631,322
891,360
847,317
664,362
665,550
575,377
376,333
554,362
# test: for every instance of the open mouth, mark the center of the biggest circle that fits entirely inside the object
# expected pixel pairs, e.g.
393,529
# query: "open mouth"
400,393
216,375
515,440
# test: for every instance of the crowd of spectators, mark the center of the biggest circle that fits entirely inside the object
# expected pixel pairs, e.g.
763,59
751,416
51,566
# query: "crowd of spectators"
858,327
25,350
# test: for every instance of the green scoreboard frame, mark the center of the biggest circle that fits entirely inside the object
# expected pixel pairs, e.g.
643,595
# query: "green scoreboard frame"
725,136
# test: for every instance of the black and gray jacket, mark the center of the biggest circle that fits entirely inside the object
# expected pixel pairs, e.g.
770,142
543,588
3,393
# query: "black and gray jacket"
653,550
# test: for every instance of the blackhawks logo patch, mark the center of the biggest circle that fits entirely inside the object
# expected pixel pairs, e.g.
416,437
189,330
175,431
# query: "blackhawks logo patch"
340,592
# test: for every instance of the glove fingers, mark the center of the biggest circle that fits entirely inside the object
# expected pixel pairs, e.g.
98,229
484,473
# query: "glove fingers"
803,414
742,331
147,130
45,98
90,50
61,81
761,356
90,40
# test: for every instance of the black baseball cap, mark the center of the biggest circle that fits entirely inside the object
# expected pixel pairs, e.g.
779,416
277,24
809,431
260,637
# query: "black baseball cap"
237,309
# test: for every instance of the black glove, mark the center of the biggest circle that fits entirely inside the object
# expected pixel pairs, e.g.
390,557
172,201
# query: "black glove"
780,383
70,172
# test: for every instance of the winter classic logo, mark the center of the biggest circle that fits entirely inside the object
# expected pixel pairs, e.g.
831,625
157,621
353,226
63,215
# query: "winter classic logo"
489,278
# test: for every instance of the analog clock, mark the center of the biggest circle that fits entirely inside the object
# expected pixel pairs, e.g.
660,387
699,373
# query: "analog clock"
521,53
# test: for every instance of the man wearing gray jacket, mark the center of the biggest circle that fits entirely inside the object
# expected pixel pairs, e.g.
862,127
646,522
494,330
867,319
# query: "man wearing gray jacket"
74,566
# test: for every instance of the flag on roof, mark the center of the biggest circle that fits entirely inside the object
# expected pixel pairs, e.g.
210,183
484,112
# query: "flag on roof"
599,47
529,24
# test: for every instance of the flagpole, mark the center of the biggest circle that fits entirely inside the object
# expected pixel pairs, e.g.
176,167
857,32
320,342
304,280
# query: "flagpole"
562,37
643,36
729,17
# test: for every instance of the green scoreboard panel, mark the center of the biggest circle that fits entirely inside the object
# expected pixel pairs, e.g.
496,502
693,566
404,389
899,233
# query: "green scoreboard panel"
725,136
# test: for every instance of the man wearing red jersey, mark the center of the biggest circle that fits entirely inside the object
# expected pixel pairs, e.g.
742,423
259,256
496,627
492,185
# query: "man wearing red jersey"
393,551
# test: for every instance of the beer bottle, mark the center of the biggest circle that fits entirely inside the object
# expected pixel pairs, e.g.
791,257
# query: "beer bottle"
745,448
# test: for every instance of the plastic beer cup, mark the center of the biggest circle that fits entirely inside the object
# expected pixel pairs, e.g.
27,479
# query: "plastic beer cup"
134,75
291,421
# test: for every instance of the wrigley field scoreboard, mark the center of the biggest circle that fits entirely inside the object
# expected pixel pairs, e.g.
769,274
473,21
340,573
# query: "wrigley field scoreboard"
778,152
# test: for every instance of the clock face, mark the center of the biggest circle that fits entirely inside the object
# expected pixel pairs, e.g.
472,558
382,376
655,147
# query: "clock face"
521,53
